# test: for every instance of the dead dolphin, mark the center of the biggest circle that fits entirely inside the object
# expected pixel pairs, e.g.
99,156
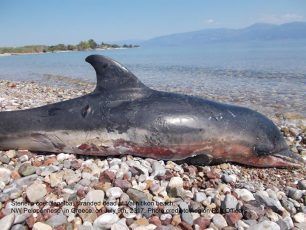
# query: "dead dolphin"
123,116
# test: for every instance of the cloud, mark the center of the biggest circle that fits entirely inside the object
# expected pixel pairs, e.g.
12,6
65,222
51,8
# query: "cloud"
209,21
284,18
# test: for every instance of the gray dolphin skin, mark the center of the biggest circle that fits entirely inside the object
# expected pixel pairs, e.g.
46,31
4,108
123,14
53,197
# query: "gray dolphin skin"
123,116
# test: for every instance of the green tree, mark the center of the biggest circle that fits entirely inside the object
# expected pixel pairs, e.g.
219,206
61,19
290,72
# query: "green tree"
60,47
51,48
114,46
83,45
71,47
92,44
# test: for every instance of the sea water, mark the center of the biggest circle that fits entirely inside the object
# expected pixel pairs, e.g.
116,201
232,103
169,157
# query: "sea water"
264,74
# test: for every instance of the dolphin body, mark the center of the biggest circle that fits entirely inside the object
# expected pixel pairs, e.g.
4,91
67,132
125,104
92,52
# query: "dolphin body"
123,116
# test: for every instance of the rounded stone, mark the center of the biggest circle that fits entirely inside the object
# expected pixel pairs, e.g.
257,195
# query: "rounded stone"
229,178
241,225
265,225
123,184
176,220
57,220
5,175
19,227
244,194
120,225
299,217
200,196
55,179
4,159
302,184
36,191
26,169
158,169
7,221
176,182
11,153
41,226
219,221
295,193
23,158
105,221
232,218
114,192
62,156
95,196
202,222
229,203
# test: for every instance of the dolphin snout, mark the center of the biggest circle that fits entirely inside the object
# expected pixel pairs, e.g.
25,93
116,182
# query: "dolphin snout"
289,158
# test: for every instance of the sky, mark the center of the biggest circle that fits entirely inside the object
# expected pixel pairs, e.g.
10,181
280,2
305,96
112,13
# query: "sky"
24,22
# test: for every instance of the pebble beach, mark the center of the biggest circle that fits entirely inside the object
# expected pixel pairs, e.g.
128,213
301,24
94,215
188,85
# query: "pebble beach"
64,191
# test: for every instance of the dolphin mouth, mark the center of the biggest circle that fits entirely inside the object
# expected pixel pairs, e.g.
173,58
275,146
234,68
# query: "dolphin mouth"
286,158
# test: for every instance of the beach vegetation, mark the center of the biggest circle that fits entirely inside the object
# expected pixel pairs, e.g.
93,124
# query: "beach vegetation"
90,44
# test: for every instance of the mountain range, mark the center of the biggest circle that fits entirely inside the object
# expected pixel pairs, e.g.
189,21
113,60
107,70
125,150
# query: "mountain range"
255,32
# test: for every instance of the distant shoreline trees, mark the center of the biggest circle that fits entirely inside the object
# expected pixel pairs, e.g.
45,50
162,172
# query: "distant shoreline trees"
83,45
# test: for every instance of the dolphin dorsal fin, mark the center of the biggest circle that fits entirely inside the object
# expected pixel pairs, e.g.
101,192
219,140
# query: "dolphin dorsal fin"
113,76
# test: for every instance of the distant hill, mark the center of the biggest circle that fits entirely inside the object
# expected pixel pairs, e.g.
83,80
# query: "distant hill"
256,32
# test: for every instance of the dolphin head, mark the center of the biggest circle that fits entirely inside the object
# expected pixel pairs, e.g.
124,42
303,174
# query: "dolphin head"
268,146
273,150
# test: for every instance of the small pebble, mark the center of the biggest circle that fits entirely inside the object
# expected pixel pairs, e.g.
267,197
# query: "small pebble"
7,221
114,192
41,226
265,225
36,192
26,169
219,221
299,217
106,220
176,182
302,184
5,175
244,195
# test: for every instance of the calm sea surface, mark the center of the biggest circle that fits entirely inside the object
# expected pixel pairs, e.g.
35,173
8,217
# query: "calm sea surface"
264,76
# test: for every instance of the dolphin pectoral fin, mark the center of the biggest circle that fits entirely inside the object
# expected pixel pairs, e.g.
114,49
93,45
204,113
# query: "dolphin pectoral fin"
113,76
200,159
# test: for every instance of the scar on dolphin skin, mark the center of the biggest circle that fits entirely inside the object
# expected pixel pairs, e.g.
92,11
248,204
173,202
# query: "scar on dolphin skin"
124,116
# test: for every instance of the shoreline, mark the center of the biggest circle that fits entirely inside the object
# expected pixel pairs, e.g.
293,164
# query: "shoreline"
258,196
62,51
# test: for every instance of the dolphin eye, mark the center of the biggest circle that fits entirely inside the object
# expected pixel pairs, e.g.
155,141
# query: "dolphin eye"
263,149
85,110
